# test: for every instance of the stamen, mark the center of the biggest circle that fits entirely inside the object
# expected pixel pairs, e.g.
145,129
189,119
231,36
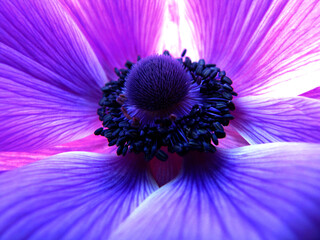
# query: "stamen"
165,102
183,52
173,117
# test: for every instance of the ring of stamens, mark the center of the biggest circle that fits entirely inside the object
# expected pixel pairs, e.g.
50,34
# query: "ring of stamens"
198,130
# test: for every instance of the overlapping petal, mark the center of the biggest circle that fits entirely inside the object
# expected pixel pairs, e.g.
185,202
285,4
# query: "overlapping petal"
267,47
268,191
265,120
50,78
74,195
119,30
165,171
232,140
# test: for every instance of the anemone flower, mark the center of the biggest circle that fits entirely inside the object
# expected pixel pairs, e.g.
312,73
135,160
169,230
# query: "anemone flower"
168,116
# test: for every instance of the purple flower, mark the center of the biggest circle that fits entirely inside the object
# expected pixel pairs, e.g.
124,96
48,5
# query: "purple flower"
56,56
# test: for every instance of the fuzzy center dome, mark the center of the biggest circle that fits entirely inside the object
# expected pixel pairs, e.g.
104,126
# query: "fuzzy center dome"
157,83
161,101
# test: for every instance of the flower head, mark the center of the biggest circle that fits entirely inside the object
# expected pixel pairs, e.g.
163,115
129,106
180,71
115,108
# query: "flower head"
57,56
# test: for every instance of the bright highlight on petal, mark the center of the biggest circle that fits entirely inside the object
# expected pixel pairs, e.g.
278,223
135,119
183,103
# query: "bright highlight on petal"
268,47
176,34
266,120
119,30
74,195
268,191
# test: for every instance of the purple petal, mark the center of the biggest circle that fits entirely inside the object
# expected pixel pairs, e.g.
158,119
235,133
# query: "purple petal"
267,47
119,30
36,114
263,120
39,38
268,191
50,78
74,195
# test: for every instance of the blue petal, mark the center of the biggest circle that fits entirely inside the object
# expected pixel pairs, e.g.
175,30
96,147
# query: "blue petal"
75,195
268,191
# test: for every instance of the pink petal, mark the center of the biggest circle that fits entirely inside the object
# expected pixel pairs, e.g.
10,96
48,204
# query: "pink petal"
266,47
263,120
314,93
92,143
119,30
268,191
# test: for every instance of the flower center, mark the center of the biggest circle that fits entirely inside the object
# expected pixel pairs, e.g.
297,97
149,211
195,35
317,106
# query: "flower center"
157,83
159,86
162,101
